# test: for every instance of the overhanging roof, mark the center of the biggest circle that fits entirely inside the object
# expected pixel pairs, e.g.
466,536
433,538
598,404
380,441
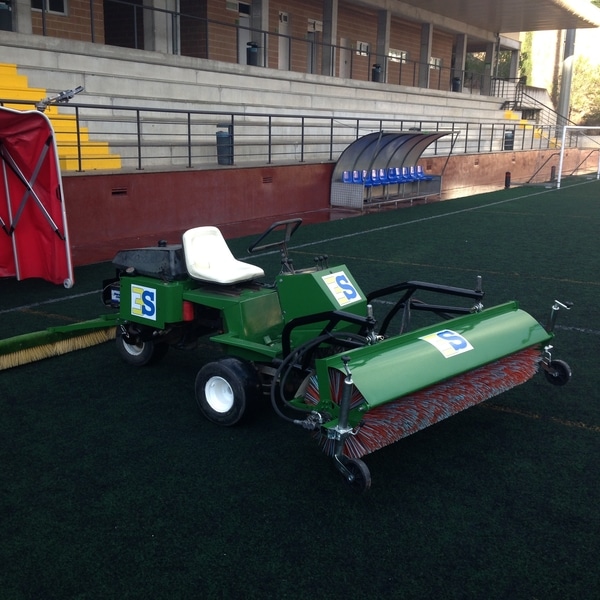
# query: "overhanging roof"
505,16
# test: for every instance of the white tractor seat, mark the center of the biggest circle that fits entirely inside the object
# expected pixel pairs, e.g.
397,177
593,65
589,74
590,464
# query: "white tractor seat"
208,258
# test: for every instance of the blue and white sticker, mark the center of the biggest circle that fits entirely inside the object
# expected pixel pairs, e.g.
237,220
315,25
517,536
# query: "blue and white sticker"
342,288
448,342
143,302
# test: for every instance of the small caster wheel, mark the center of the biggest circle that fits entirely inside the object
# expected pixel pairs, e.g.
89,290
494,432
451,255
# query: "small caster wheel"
558,372
139,353
359,478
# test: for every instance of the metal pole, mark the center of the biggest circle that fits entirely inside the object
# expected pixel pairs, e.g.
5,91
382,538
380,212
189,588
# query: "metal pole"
567,76
189,136
302,142
79,156
92,20
562,154
269,149
44,9
139,138
331,139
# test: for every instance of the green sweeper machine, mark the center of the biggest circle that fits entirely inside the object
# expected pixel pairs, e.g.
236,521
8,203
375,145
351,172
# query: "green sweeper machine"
310,340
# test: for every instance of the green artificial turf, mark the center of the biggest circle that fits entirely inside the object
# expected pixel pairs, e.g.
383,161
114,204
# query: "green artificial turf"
113,486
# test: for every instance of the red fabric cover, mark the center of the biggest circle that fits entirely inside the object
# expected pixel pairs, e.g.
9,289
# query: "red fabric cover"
36,247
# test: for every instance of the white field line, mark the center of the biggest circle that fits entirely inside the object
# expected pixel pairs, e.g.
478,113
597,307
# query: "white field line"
325,241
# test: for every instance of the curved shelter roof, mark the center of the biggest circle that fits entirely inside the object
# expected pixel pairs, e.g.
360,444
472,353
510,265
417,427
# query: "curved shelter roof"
381,150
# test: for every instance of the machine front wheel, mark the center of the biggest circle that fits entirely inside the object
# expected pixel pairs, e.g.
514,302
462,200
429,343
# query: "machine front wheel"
140,353
360,480
559,372
224,390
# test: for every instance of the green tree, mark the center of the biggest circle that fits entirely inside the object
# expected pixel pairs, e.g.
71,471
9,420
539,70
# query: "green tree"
585,92
525,64
475,64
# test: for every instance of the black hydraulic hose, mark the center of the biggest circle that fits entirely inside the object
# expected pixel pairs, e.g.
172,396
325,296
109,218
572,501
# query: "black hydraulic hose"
293,357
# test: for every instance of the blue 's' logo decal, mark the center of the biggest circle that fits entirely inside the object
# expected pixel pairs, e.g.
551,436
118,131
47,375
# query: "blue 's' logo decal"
143,302
342,288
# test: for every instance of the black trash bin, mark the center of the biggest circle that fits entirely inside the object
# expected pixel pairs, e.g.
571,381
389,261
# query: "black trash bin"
509,140
252,54
376,73
456,84
225,146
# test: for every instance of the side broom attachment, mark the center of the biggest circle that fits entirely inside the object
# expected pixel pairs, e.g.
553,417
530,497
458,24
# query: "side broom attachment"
55,341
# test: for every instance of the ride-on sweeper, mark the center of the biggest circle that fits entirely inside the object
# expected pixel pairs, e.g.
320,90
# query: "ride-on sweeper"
311,340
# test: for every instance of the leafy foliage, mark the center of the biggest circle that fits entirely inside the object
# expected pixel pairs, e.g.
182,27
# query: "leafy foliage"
585,92
475,64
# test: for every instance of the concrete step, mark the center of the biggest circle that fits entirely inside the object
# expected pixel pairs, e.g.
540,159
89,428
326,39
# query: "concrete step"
94,154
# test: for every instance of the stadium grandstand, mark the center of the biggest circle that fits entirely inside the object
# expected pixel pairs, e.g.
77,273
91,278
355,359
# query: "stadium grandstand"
171,112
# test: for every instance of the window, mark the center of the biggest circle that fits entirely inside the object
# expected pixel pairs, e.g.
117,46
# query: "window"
435,63
362,48
55,6
398,56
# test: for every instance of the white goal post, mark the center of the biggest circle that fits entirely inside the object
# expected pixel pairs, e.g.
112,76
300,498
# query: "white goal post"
592,142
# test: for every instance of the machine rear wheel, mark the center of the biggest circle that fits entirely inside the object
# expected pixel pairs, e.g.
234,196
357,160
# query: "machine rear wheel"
224,390
140,353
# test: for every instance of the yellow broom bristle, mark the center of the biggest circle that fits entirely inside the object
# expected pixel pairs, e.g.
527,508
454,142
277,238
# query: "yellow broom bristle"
72,344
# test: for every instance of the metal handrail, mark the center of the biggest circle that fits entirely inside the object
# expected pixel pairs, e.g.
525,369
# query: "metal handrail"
555,119
167,138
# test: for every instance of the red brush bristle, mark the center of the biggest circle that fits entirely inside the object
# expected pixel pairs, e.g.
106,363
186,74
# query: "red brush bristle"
388,423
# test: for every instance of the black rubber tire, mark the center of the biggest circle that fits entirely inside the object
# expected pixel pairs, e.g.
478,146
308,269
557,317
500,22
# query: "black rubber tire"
225,389
361,481
561,372
142,353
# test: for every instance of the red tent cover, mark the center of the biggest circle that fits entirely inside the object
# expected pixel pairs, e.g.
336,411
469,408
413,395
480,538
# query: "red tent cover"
34,241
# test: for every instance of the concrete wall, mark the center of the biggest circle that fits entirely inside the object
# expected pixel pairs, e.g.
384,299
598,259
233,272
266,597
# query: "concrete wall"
469,174
109,212
114,76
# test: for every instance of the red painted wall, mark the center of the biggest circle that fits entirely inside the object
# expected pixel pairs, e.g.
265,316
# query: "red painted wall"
108,212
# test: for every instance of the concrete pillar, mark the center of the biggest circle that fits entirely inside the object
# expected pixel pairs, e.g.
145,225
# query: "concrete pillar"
384,25
330,22
259,21
513,72
490,60
425,54
460,56
21,10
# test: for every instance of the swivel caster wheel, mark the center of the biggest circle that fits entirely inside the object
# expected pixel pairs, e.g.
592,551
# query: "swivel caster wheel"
357,476
558,372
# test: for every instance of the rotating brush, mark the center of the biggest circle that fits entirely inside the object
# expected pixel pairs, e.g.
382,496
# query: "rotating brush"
390,422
